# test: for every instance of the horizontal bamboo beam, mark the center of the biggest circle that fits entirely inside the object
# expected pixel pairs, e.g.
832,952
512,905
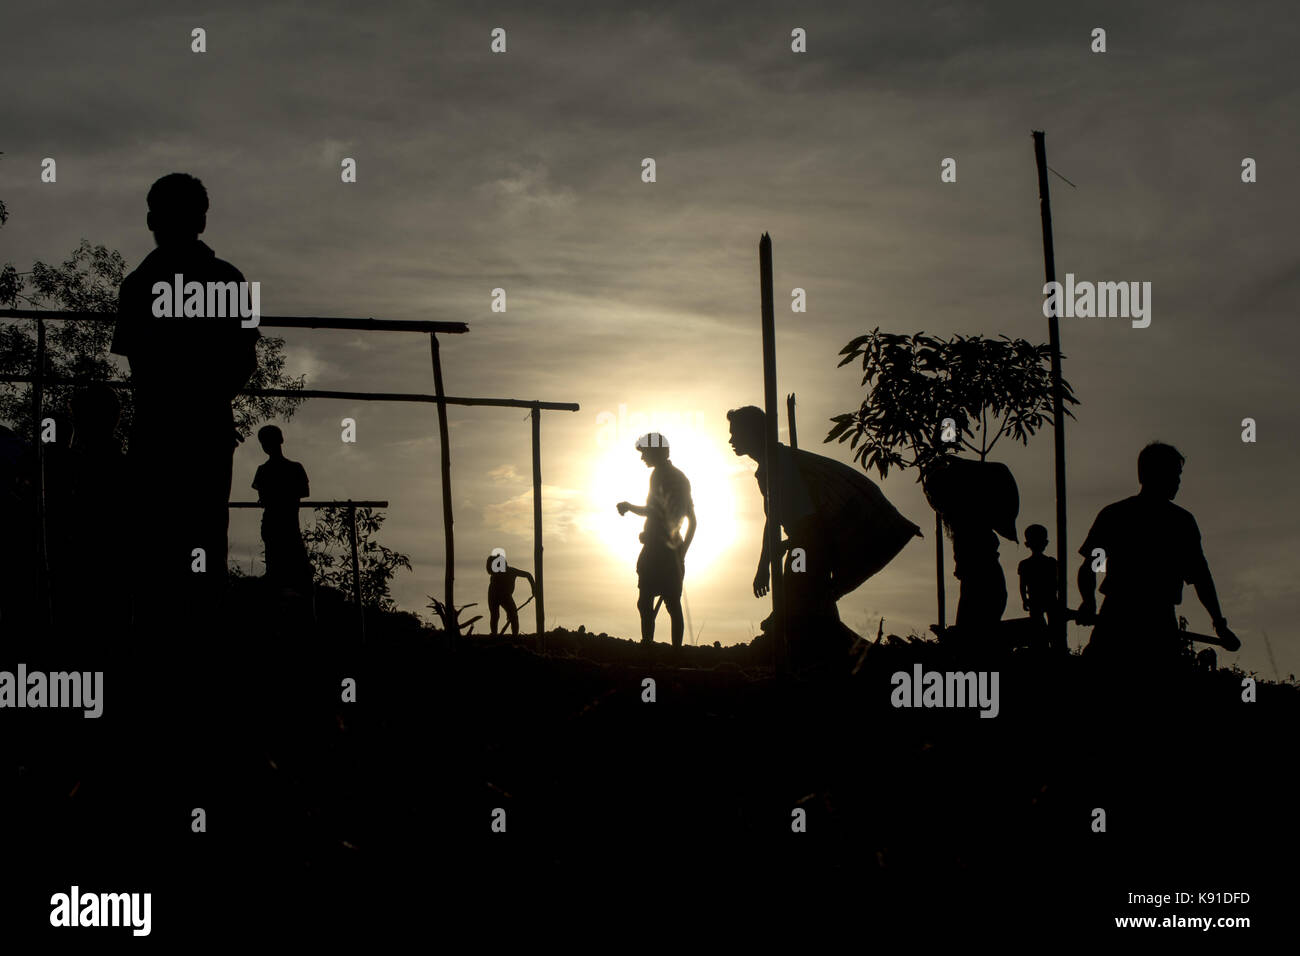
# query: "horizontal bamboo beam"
356,396
314,504
403,397
271,321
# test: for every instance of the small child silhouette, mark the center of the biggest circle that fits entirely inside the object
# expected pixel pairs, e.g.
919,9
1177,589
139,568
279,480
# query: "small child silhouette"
1038,577
280,485
501,590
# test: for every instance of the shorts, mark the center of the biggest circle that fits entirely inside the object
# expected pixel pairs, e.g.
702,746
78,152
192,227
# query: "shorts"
660,570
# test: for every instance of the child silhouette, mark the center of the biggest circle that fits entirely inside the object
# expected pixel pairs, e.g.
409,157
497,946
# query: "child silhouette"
1038,592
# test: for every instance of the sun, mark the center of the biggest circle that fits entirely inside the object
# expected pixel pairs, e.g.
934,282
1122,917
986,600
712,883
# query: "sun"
620,475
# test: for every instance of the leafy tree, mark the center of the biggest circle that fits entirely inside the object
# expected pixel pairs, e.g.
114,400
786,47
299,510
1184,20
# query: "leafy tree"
329,545
988,387
88,281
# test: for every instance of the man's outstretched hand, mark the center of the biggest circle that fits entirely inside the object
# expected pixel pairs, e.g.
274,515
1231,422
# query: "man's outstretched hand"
623,506
761,581
1230,641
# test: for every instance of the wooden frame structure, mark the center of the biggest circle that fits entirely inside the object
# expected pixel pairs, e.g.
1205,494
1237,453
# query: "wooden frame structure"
439,398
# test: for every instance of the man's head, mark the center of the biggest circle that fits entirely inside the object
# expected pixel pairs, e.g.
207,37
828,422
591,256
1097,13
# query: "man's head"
270,438
178,209
1160,469
748,430
1036,538
654,449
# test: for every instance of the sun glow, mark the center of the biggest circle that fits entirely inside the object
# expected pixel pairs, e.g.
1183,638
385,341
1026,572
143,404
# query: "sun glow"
620,475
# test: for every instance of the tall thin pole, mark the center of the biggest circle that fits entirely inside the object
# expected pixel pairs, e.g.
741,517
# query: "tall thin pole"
1058,411
789,417
444,443
938,570
44,589
537,528
356,569
780,658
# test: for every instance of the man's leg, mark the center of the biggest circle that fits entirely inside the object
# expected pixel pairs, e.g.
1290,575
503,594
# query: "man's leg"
646,605
512,615
673,602
494,610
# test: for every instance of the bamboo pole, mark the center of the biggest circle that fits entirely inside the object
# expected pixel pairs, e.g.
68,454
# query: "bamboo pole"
313,504
537,529
44,593
346,395
1058,410
780,658
789,415
938,571
444,442
356,570
269,321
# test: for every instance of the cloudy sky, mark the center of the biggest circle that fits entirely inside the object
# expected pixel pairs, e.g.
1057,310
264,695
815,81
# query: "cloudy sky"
640,301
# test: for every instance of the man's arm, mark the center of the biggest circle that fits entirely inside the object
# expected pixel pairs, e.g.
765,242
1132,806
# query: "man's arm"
762,577
243,361
690,530
519,573
1210,598
1197,574
242,358
625,506
1087,592
124,328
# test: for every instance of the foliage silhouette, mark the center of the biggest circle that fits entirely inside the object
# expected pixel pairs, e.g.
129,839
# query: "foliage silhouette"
88,281
916,381
329,545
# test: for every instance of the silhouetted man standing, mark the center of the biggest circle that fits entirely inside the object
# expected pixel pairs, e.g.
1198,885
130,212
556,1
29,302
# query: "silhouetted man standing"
662,565
1150,547
281,485
185,372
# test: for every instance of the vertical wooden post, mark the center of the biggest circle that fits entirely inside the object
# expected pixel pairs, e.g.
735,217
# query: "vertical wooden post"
938,570
537,528
780,658
356,570
789,416
44,594
444,442
1058,410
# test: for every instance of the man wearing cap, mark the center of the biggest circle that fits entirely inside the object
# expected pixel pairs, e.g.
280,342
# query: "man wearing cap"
661,566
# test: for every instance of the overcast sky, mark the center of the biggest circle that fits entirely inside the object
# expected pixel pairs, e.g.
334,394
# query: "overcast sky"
523,171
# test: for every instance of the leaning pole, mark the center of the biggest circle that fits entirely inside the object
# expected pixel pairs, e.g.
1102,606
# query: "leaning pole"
779,649
1058,410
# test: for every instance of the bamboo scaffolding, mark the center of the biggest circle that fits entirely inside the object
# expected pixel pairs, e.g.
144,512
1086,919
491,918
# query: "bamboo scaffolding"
40,382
